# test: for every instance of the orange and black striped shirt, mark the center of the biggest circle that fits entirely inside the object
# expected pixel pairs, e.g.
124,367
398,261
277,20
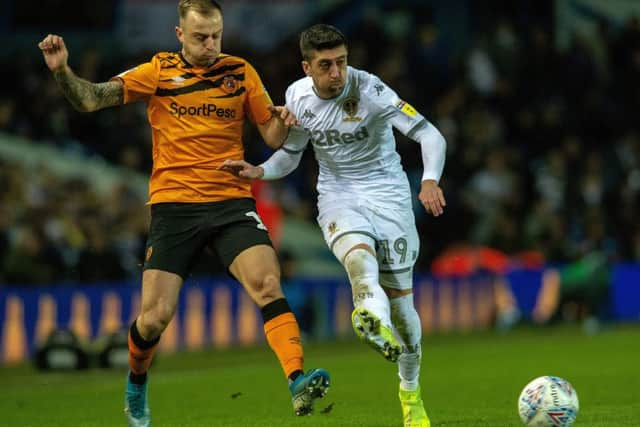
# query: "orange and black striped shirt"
196,116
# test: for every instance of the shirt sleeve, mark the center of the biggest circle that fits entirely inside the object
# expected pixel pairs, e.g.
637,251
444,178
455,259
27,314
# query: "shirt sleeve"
281,163
412,124
296,141
140,82
433,148
298,137
258,99
400,113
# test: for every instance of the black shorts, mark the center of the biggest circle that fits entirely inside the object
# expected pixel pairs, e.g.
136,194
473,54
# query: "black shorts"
179,233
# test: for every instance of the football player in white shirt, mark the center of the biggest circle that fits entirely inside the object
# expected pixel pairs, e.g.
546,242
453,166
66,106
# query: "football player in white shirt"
364,198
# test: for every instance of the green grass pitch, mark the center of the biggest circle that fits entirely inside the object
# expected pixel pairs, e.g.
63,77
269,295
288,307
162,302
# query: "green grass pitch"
468,380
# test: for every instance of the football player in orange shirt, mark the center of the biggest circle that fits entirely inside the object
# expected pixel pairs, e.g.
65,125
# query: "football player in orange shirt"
197,101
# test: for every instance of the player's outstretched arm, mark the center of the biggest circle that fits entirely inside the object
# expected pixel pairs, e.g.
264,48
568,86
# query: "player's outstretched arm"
280,164
242,168
275,131
84,95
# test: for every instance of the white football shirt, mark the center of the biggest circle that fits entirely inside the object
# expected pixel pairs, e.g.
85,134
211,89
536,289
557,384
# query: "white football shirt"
352,137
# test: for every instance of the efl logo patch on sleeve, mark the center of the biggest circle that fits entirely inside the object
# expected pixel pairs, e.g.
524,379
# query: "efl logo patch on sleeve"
406,108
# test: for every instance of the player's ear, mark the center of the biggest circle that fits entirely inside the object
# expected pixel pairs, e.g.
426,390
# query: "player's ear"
306,67
179,34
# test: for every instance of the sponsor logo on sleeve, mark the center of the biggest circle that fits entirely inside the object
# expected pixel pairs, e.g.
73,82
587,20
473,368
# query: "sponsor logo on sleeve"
406,108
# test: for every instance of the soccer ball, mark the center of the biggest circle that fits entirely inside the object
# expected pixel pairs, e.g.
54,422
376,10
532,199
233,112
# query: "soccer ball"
548,402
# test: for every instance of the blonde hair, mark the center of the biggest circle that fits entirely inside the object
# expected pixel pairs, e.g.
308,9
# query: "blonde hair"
203,7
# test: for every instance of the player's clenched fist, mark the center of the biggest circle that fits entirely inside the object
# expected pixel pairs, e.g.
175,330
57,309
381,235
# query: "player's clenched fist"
54,51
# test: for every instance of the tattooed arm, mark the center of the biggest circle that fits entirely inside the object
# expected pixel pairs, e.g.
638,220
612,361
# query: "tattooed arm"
84,95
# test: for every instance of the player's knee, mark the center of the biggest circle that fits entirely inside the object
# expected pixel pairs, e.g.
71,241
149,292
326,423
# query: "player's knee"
266,289
270,289
353,262
360,262
155,320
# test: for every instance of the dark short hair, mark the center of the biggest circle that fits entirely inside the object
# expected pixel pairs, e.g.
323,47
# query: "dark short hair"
320,37
203,7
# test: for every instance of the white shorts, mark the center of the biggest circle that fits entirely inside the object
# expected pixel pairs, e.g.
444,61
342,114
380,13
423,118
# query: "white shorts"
392,228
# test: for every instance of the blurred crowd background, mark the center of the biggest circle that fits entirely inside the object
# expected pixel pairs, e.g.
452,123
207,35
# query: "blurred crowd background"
540,116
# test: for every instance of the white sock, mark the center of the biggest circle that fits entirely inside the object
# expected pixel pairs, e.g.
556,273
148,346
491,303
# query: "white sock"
407,323
362,268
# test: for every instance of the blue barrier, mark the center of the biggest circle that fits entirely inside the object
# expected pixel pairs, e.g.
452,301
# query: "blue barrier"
216,312
525,285
625,292
211,312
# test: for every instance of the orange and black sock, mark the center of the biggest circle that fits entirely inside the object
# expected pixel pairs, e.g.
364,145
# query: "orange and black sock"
283,336
141,353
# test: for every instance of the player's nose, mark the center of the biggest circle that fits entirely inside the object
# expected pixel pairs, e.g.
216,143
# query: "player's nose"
209,44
